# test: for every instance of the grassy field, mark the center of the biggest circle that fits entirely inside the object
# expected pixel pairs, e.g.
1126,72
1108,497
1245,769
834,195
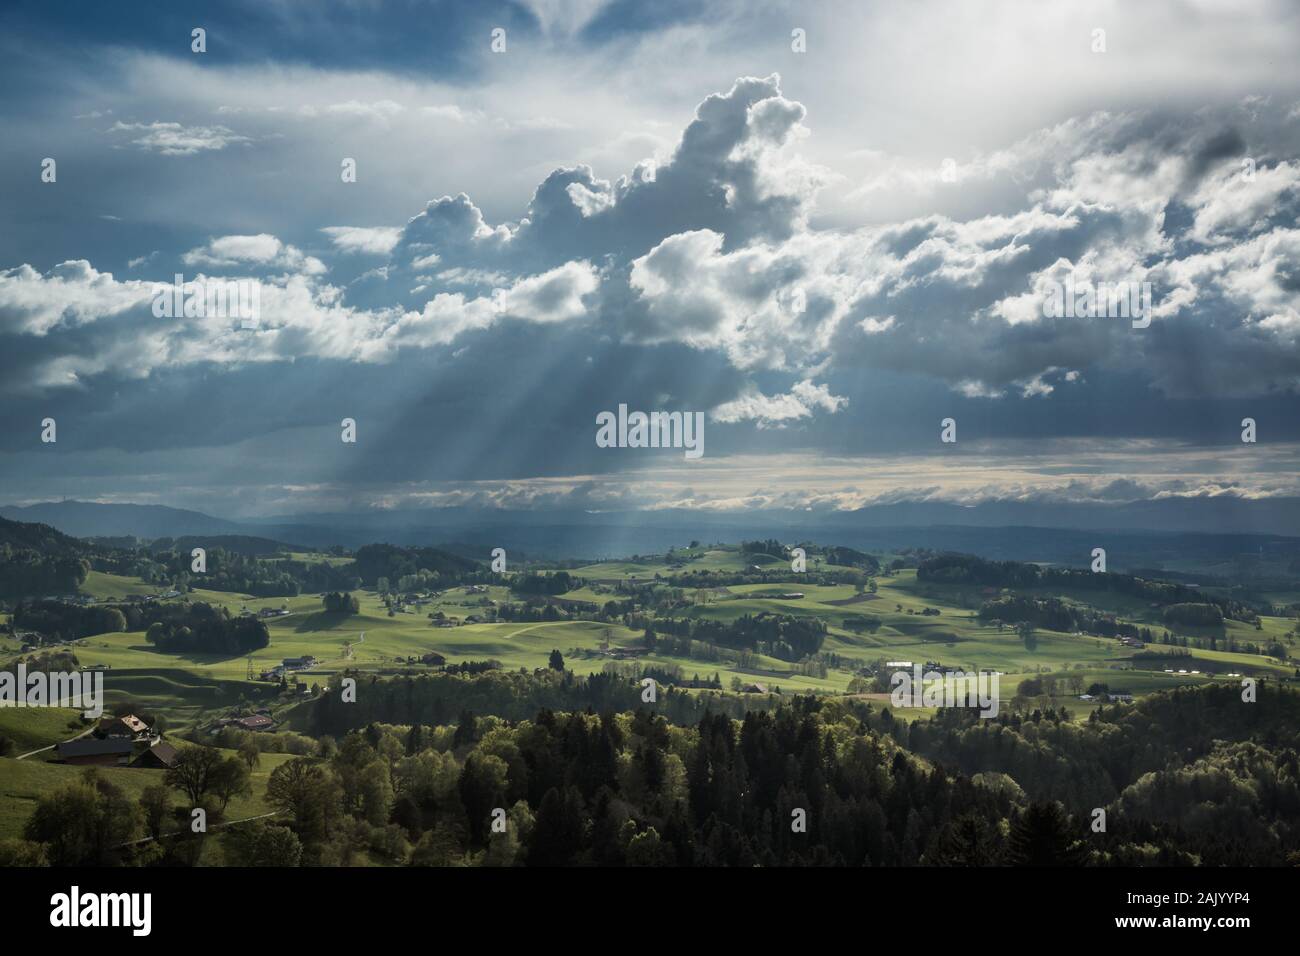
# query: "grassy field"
187,689
24,782
31,728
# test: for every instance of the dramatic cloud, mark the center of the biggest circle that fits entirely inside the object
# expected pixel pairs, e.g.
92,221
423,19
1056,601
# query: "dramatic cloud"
713,250
826,261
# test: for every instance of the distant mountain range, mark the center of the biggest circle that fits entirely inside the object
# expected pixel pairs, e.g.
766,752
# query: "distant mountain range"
1135,534
87,519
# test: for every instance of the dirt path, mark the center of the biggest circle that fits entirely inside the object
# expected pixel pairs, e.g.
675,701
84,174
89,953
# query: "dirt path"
215,826
42,750
529,627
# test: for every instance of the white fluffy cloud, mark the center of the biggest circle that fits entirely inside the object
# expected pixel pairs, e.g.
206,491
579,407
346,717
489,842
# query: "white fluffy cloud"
174,139
767,410
70,294
370,240
265,251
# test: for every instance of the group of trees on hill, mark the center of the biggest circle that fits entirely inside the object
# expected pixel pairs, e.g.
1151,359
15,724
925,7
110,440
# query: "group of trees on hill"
514,695
336,602
204,628
169,626
375,561
1214,777
68,622
770,547
840,555
1054,614
783,636
1194,614
774,573
39,561
249,571
850,557
25,572
557,582
969,569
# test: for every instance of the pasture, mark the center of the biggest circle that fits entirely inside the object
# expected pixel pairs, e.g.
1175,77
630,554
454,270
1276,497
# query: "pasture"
918,621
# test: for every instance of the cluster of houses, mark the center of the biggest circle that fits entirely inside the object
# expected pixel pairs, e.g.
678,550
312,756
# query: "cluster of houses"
263,613
258,721
124,741
132,598
289,665
402,603
30,640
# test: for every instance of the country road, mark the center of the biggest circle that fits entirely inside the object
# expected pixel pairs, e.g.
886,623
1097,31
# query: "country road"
42,750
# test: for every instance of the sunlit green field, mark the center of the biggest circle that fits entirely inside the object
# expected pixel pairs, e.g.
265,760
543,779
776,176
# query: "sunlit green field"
187,687
115,586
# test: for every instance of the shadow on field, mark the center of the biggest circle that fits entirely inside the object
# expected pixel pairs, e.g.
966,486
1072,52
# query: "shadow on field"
326,621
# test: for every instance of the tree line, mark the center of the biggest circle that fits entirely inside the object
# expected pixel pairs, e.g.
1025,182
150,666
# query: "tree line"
1189,777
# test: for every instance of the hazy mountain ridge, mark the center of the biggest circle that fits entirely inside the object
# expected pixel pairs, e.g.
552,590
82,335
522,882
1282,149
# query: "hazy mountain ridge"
1144,534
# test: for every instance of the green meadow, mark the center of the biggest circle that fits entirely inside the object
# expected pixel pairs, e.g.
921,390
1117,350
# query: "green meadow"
189,689
31,728
24,782
918,622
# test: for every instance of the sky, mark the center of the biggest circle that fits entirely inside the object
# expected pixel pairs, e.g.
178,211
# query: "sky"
825,227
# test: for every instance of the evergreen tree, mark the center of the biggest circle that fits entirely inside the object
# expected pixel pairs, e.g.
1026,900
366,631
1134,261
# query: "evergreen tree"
1042,836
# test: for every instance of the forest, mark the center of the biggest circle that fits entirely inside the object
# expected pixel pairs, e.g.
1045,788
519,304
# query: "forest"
1193,777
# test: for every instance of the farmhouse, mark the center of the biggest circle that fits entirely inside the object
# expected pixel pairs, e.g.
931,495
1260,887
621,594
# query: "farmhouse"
109,752
255,722
128,726
161,755
299,663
